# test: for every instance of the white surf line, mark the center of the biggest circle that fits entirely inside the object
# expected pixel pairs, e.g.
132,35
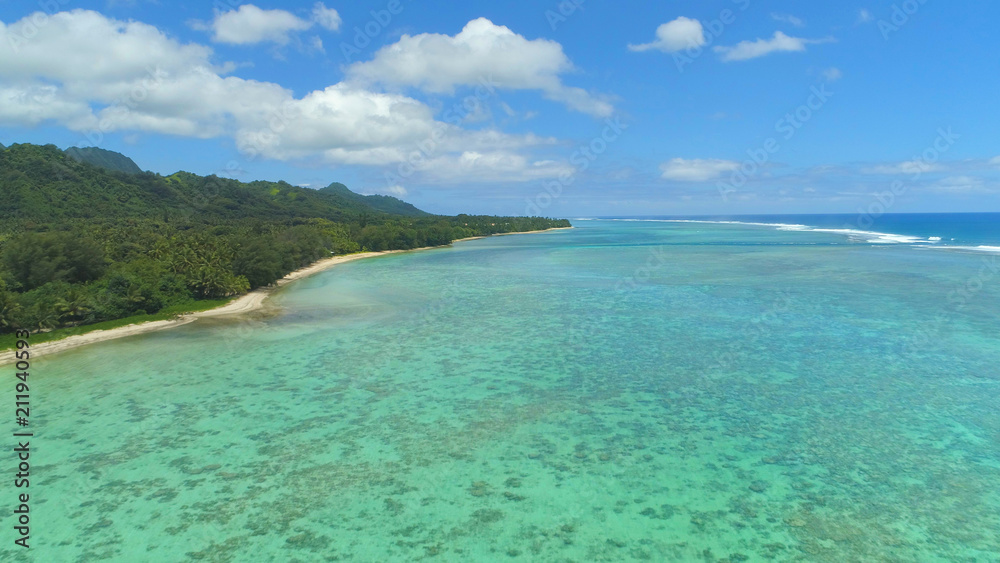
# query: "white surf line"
871,237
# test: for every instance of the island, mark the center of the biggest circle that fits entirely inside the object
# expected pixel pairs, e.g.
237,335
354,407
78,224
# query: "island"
89,241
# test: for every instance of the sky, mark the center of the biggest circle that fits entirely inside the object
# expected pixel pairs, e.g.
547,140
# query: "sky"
571,108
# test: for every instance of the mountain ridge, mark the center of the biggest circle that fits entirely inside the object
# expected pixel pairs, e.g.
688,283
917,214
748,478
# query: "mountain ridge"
386,203
43,183
103,158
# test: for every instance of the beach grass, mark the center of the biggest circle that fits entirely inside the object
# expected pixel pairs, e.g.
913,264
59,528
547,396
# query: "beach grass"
9,341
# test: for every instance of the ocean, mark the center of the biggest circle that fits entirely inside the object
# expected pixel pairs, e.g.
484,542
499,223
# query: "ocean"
805,388
974,230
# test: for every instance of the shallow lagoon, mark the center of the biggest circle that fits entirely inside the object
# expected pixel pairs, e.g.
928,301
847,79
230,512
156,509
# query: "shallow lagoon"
622,391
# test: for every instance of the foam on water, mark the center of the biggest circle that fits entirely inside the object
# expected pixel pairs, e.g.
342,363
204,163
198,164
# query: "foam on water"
871,237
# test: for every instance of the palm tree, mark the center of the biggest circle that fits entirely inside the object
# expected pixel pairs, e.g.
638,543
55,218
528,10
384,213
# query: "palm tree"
46,317
9,309
76,307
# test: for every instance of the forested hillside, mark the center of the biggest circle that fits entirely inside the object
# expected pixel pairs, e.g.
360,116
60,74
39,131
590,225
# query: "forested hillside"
383,203
81,244
45,184
101,158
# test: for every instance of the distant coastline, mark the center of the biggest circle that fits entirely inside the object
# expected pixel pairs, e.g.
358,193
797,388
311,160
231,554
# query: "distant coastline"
248,303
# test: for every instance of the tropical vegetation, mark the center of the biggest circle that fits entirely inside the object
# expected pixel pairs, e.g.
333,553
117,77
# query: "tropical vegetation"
83,240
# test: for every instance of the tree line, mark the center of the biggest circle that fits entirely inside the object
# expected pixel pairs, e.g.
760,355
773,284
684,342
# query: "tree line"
83,272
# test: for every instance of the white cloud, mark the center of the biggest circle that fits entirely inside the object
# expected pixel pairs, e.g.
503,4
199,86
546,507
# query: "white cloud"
865,16
79,45
746,50
995,161
327,18
492,166
95,75
249,25
697,170
789,19
671,37
481,53
34,104
832,74
347,125
394,190
962,185
908,167
317,44
82,59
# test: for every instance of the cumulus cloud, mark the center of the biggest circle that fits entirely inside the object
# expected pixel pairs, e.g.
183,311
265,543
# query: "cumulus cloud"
493,166
789,19
82,59
250,25
746,50
34,104
96,75
697,170
482,52
677,35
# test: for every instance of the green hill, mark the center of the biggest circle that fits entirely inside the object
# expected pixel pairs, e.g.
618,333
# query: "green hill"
43,183
84,242
384,203
101,158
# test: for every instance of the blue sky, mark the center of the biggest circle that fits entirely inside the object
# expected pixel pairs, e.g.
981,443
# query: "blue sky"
574,108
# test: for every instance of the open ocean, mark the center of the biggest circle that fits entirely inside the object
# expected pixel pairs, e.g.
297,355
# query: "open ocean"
796,389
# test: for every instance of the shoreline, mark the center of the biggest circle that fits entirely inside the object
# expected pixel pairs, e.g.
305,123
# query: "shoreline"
248,303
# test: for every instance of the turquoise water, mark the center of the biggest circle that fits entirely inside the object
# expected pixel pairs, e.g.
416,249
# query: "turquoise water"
624,391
